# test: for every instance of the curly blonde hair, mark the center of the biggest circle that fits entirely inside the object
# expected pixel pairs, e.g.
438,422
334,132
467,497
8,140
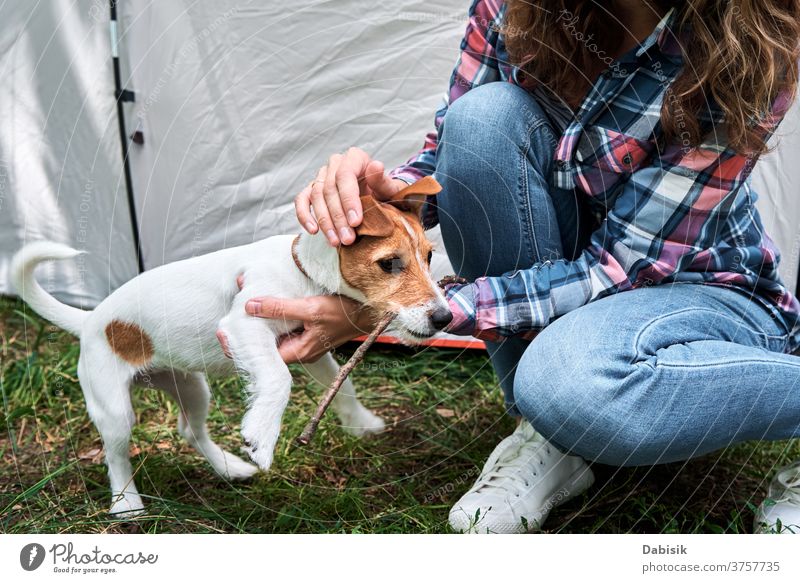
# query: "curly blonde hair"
739,55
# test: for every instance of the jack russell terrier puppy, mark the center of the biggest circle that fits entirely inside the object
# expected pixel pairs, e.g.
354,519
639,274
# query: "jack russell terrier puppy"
171,325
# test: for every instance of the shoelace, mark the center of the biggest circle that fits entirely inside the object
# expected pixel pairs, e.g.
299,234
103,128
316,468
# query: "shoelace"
506,468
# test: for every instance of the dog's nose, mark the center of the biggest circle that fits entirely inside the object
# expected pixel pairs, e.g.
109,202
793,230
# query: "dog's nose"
441,317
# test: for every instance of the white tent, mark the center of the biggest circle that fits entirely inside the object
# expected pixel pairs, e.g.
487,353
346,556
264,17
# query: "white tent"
237,103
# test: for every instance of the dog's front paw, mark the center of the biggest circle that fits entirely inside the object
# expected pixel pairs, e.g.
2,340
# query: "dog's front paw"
258,452
235,468
362,422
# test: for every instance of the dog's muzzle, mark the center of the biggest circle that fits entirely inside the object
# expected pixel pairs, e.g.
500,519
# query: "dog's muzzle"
441,317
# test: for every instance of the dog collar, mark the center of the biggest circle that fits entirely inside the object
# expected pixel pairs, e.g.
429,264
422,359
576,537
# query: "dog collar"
296,257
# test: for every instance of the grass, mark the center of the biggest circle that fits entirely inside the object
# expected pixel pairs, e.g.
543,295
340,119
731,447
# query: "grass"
444,412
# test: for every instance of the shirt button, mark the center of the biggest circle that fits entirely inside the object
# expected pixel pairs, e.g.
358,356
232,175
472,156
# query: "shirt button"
627,159
561,164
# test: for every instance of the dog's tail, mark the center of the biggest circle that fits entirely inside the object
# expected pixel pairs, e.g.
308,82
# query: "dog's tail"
22,268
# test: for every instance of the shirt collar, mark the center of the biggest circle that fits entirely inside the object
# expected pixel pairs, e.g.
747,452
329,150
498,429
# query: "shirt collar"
663,37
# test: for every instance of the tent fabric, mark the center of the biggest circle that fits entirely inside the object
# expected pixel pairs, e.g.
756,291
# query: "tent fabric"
60,162
776,179
239,104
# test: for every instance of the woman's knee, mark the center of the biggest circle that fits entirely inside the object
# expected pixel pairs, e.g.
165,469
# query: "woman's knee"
489,122
488,138
574,398
500,107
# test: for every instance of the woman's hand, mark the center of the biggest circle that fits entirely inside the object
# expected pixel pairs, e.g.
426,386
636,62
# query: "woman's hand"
328,322
334,195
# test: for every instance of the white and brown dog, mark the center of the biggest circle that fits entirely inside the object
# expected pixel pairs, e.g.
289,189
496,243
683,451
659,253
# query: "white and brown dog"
163,326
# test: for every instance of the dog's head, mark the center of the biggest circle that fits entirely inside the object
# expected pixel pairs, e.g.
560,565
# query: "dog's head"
389,263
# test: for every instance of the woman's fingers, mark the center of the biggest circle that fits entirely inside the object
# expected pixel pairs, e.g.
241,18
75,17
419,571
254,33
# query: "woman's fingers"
327,322
297,347
334,202
302,208
303,346
281,308
350,184
320,206
383,187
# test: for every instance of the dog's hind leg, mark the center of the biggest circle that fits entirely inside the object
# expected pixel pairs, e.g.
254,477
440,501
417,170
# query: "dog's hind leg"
191,392
356,419
106,383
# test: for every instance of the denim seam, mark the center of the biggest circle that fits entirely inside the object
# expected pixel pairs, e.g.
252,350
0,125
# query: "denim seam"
738,362
534,254
638,353
522,196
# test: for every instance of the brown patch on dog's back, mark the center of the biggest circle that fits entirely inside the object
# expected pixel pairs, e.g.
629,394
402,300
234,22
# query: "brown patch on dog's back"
129,342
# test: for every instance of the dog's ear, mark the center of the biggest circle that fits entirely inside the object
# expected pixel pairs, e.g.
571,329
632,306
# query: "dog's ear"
412,197
376,222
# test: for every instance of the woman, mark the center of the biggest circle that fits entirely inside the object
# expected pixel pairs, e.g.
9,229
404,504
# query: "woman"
595,161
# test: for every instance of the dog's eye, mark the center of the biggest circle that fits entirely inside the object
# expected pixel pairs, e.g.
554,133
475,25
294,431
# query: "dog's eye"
430,256
391,265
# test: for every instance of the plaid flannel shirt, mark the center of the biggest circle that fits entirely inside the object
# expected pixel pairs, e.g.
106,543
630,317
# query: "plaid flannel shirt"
665,212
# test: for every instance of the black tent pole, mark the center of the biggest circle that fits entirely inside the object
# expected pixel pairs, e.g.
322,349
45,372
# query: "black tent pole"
121,96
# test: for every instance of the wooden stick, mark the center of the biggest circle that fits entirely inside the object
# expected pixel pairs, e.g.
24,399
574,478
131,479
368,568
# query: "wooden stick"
311,427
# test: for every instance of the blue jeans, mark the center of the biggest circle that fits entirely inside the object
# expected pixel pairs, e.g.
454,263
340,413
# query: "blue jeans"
647,376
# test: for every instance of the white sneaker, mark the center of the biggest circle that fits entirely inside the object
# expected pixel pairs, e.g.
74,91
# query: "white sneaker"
521,482
780,512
